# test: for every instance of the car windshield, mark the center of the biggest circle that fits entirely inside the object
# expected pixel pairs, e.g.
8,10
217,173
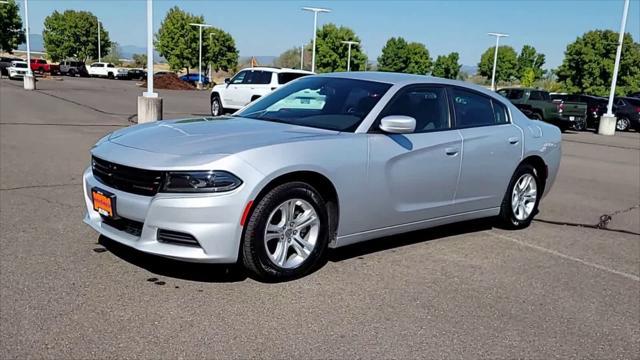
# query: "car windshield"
319,102
20,65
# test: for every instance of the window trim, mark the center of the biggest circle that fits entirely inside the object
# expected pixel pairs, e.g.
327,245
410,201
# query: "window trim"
491,100
375,125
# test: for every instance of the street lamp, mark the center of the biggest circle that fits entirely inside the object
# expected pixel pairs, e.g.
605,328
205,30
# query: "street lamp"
200,26
302,57
495,58
99,51
149,104
315,27
608,121
349,52
29,80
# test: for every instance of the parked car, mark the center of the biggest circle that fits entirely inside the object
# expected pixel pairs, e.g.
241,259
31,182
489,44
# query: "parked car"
627,111
248,85
325,161
5,62
634,95
17,70
193,78
42,66
137,74
73,68
540,105
573,107
108,70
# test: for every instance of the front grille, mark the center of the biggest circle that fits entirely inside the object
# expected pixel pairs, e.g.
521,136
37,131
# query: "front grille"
129,226
125,178
176,237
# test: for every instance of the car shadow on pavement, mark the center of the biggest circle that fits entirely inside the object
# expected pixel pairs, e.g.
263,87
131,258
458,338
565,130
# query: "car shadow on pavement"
396,241
161,266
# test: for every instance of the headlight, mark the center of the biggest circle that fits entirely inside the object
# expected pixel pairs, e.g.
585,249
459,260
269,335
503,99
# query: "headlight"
200,182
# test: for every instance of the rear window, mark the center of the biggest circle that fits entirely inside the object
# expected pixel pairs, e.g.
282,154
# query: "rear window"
285,77
512,94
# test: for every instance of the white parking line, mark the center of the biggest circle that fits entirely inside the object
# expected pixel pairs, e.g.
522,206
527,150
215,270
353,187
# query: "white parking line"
553,252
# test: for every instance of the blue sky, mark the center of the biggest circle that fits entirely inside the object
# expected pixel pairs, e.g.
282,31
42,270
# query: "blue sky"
270,27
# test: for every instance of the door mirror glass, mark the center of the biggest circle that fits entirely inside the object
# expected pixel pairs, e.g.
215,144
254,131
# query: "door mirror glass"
398,124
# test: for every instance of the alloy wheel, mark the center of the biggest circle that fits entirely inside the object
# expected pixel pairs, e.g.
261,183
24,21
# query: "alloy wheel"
524,196
215,107
291,233
622,124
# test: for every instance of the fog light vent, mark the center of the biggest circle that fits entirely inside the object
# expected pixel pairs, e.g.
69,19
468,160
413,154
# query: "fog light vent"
176,237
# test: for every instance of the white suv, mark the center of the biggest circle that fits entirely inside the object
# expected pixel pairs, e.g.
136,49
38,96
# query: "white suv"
248,85
107,70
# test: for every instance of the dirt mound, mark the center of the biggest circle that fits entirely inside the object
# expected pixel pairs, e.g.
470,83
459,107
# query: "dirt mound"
169,81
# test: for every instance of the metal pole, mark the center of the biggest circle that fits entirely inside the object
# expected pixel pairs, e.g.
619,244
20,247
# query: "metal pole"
302,57
26,21
349,59
99,52
313,53
200,59
616,66
495,63
150,92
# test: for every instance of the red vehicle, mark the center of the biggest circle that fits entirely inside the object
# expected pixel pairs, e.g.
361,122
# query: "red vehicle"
42,66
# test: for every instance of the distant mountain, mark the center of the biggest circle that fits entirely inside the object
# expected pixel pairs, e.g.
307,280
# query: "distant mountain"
469,69
35,42
127,51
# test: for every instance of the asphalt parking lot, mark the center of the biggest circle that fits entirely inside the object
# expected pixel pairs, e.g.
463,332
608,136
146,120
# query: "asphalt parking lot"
561,288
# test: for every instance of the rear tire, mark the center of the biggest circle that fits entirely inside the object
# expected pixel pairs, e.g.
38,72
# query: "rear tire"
110,76
303,235
520,202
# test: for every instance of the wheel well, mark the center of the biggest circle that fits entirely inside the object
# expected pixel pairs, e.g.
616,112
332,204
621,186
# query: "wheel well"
541,167
214,94
319,182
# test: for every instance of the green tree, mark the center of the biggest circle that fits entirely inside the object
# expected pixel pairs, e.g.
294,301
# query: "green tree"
140,60
447,66
177,41
528,59
588,64
219,50
291,58
331,53
11,33
74,34
528,77
400,56
507,66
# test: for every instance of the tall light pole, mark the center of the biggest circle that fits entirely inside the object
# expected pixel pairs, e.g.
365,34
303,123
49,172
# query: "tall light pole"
210,67
349,43
608,121
302,57
495,58
315,30
149,104
29,79
99,51
200,26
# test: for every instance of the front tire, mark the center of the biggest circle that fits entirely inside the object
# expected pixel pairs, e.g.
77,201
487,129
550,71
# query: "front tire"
520,202
622,124
216,106
287,234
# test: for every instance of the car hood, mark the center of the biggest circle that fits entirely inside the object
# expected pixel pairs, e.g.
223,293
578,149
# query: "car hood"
210,135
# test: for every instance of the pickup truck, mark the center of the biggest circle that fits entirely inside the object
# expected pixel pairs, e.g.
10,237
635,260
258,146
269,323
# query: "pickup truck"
42,66
573,107
108,70
537,104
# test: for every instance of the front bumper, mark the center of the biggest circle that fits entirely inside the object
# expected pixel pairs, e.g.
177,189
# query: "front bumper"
212,219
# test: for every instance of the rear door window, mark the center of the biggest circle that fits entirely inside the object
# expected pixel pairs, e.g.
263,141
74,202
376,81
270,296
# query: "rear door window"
472,109
536,95
285,77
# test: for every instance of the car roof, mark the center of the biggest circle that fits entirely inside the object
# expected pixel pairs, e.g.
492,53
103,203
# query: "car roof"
406,79
277,69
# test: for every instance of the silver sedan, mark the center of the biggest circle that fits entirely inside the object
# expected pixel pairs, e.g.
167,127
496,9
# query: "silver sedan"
323,162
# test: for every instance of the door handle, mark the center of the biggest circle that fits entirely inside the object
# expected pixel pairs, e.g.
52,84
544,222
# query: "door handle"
451,151
514,140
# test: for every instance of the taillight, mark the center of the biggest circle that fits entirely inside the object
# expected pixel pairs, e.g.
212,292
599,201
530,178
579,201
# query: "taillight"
638,109
560,107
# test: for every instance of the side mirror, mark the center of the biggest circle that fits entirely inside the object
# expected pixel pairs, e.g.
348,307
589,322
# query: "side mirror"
398,124
227,81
